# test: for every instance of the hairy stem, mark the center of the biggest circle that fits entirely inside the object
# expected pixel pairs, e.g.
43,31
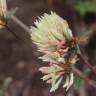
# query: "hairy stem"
18,37
87,63
21,24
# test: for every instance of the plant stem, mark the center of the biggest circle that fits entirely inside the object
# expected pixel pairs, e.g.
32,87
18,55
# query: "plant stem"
12,32
18,37
80,74
21,24
87,63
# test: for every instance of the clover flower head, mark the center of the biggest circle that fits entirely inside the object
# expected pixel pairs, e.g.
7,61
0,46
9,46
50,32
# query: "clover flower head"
3,13
54,39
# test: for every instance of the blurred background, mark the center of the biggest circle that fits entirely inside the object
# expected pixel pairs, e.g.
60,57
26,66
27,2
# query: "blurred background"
19,62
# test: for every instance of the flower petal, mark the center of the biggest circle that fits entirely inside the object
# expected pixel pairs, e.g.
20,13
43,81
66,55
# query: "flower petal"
71,81
55,86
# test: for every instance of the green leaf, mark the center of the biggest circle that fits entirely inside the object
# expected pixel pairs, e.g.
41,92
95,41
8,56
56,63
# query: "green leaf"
78,49
4,85
78,82
87,71
84,6
1,93
11,13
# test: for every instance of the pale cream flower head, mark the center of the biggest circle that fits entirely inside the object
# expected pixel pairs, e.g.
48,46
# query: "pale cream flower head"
54,39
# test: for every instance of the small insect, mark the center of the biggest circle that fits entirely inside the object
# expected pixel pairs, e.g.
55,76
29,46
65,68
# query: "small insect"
3,13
